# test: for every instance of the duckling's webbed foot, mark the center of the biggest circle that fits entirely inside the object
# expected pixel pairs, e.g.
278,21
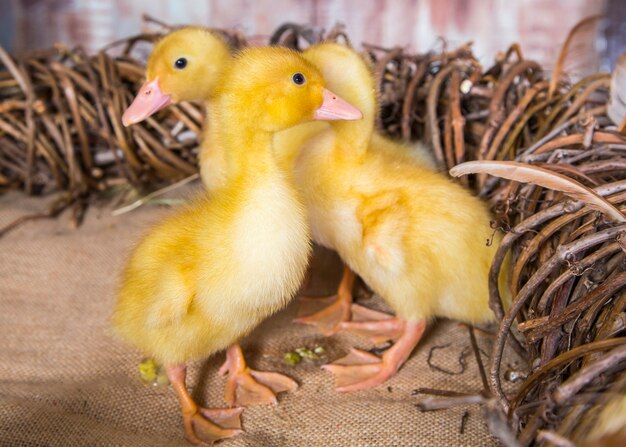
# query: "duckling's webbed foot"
377,326
335,309
203,426
360,370
208,425
247,387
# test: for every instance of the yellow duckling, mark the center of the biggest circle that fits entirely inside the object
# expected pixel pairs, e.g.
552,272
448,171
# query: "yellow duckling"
208,274
416,238
350,73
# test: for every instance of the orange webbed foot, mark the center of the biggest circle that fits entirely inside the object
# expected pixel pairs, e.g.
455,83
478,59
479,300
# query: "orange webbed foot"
247,387
203,426
357,371
376,326
361,370
334,310
208,425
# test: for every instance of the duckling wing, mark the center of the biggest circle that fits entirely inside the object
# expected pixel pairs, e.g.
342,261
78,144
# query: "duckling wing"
384,218
172,299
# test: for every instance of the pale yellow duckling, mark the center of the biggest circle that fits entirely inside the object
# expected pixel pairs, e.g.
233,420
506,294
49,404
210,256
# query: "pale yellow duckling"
418,239
350,73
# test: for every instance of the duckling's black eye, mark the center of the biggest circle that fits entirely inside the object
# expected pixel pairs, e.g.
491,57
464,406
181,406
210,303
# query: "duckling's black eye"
180,63
298,79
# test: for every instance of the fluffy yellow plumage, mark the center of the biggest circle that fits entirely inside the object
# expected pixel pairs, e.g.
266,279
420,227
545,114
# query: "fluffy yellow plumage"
209,273
418,239
186,292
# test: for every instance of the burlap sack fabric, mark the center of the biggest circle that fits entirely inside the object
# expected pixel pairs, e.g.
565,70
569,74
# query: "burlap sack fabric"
66,381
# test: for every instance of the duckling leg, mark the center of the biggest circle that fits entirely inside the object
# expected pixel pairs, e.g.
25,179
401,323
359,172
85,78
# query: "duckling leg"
361,370
203,425
246,386
336,311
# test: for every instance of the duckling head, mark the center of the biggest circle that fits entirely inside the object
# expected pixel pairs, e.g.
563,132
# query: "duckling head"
185,65
279,89
347,73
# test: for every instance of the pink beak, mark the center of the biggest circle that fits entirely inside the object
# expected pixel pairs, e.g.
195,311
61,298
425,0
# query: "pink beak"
149,100
335,108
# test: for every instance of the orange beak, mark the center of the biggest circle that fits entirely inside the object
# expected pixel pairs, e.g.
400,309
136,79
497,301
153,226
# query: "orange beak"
335,108
149,100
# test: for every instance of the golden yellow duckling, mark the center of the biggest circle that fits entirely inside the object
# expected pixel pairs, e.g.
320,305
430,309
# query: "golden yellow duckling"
208,274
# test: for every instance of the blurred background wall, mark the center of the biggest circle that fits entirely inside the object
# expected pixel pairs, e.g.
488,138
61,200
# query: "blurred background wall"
538,25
